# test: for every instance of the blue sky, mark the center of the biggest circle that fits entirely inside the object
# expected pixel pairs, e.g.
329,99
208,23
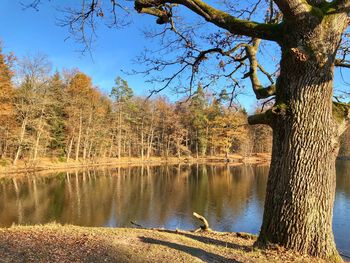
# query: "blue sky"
30,32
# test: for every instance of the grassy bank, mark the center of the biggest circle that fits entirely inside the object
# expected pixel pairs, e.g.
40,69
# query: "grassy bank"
53,164
56,243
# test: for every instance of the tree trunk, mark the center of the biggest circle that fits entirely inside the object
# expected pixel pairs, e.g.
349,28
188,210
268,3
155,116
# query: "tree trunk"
36,147
167,146
5,145
120,134
87,137
38,136
301,185
90,149
197,144
77,149
142,139
178,144
150,142
111,147
21,138
70,148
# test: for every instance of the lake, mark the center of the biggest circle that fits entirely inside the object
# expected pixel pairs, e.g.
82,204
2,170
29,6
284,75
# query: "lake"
230,197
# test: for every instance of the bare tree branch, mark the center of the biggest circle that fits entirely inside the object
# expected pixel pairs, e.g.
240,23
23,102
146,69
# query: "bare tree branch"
259,90
34,4
215,16
342,63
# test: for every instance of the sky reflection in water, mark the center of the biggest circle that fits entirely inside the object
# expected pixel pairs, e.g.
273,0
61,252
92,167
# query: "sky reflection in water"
231,198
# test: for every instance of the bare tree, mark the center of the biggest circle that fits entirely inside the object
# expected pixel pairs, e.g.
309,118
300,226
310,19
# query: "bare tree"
32,103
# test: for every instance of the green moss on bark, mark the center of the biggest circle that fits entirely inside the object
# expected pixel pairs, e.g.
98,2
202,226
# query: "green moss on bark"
340,111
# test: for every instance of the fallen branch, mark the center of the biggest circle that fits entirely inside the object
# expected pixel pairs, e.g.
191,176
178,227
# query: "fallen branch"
204,227
135,224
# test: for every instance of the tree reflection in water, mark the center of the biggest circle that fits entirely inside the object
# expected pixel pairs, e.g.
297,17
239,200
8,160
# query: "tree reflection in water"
230,197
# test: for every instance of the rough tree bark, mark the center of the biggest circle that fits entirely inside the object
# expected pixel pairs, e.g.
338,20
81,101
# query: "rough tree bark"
301,185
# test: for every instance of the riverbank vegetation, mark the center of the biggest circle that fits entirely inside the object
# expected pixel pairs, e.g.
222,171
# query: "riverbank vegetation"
63,120
62,117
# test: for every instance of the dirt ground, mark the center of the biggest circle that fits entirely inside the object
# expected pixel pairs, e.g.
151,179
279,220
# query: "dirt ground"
56,243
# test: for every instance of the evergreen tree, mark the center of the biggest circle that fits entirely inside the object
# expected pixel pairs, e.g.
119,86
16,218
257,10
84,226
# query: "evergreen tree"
57,93
198,122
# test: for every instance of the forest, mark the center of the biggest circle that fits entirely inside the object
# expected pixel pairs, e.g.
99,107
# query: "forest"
63,115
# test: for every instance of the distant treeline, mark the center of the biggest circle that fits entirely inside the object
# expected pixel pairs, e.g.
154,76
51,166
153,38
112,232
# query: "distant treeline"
62,115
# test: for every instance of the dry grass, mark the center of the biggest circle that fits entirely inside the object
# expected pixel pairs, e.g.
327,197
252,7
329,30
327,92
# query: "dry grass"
56,243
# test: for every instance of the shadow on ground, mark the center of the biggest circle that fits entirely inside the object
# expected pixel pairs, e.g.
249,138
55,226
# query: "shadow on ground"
195,252
212,241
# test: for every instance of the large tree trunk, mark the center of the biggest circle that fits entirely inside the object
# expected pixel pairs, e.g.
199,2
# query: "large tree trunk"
301,185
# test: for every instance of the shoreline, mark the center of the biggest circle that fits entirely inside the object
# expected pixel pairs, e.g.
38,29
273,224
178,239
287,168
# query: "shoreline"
55,165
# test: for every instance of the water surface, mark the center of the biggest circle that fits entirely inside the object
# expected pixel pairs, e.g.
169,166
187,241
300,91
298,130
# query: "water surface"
231,198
